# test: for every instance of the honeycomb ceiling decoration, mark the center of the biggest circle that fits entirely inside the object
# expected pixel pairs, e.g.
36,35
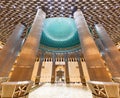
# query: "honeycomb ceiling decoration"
106,12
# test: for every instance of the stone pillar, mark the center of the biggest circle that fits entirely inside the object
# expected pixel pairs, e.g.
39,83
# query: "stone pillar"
66,69
25,64
11,49
96,68
53,69
82,77
39,69
110,48
112,68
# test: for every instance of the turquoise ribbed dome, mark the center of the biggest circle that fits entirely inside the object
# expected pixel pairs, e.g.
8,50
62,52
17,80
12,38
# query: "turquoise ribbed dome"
59,33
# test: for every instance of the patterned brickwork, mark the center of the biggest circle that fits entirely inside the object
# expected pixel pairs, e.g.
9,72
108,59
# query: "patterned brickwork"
106,12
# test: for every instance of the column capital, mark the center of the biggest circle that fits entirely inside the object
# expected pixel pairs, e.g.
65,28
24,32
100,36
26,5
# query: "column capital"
53,57
99,28
42,57
40,11
77,13
66,57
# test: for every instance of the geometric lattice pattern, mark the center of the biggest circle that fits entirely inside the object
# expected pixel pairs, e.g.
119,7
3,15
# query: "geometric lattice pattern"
20,91
106,12
100,91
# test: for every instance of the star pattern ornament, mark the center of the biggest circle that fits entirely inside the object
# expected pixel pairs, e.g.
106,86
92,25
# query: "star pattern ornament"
20,91
100,91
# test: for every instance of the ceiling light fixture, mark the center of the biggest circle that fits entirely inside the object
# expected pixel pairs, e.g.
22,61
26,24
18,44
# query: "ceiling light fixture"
62,8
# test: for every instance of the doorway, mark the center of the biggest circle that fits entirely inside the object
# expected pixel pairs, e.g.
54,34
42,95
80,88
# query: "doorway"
60,73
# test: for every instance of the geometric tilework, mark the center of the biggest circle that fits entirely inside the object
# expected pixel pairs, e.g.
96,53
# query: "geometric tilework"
106,12
20,91
100,91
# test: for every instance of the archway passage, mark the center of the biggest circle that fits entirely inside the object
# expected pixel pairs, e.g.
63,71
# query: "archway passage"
60,73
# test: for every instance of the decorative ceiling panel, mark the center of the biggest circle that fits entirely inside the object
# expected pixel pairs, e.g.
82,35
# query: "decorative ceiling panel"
106,12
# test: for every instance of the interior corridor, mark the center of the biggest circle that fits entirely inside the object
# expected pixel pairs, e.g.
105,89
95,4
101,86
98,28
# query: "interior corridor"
61,90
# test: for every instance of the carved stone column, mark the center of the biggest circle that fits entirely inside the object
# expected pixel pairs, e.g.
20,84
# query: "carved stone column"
110,48
53,69
66,69
113,70
82,77
24,67
96,68
11,49
39,68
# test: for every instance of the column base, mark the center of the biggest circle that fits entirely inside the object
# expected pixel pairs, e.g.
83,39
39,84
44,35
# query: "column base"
53,80
83,81
37,80
67,80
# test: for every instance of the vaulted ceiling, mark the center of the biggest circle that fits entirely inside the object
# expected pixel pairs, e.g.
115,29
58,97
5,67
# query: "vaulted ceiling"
106,12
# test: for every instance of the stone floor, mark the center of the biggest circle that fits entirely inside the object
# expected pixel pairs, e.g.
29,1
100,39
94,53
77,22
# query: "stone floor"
61,91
